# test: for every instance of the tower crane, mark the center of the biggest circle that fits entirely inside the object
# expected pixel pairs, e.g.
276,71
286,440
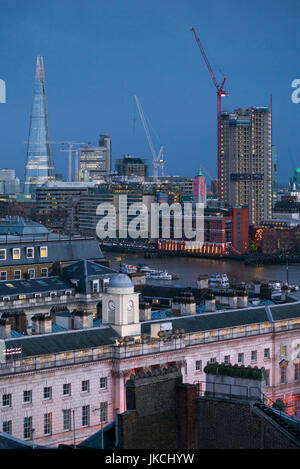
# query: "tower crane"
158,159
220,94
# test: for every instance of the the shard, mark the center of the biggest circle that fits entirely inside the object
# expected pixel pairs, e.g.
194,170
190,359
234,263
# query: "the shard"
39,162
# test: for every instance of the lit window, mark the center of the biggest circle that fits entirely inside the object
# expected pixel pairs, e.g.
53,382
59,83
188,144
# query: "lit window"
283,350
44,251
16,253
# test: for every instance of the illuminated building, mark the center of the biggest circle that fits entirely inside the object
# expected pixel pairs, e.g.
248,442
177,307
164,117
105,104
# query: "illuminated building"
39,163
246,161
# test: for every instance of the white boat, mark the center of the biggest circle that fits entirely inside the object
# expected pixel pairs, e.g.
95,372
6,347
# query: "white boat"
219,280
159,275
128,269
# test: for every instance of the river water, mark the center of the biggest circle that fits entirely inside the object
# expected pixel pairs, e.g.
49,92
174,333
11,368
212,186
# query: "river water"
188,269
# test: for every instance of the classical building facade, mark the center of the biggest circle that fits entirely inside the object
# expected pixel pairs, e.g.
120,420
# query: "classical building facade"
57,387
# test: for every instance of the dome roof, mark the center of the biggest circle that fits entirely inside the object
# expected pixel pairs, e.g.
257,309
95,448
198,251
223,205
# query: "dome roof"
120,281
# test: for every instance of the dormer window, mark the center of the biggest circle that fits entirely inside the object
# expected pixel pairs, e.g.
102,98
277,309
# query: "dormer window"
2,254
44,251
30,253
16,253
95,284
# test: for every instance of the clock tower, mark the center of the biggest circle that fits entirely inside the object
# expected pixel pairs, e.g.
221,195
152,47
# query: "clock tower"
120,306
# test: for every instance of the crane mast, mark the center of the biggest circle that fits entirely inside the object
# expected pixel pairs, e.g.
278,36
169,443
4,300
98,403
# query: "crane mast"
220,93
157,158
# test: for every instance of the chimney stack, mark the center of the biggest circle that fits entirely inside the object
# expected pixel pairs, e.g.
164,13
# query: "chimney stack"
42,324
80,319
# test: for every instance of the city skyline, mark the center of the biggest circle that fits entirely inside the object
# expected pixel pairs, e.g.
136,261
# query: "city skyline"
103,73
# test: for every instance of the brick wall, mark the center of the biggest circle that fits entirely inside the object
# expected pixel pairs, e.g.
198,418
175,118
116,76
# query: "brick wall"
232,425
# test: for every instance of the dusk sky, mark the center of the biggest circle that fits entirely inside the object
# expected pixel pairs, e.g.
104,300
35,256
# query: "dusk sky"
99,54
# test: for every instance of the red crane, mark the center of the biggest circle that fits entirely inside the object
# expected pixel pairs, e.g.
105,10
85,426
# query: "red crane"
220,94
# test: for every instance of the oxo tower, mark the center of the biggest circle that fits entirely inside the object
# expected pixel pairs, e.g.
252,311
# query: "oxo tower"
39,166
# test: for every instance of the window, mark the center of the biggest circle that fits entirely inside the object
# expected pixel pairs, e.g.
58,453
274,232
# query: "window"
85,415
67,389
3,275
67,419
27,396
240,358
17,274
95,286
31,273
30,253
267,377
16,253
85,386
6,400
48,423
282,375
47,392
2,254
213,360
227,359
27,427
198,365
297,374
103,412
44,272
254,356
283,350
103,383
44,251
266,353
7,427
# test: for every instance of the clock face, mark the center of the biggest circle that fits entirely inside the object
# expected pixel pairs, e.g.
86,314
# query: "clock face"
130,305
111,305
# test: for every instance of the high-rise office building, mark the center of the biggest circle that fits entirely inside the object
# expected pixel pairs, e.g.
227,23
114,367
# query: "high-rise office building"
246,161
39,163
95,162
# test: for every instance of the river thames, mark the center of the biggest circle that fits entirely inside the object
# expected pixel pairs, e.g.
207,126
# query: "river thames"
188,269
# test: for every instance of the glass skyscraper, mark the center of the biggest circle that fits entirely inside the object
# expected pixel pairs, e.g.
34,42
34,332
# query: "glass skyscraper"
39,162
